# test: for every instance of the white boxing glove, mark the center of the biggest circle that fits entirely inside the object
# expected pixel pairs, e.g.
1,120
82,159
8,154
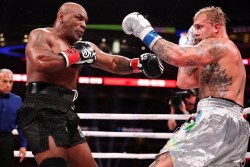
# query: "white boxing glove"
134,23
191,37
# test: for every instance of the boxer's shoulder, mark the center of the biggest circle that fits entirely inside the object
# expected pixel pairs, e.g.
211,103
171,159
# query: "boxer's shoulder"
42,31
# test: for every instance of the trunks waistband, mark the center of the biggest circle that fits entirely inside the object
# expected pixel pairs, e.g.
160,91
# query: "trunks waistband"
51,89
219,102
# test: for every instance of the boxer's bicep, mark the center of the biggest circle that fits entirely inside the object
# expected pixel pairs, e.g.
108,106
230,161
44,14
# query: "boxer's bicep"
39,52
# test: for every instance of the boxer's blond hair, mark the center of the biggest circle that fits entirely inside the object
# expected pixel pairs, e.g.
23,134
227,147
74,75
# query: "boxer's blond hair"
214,14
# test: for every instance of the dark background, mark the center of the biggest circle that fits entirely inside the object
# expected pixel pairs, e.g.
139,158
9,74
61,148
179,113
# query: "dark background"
18,18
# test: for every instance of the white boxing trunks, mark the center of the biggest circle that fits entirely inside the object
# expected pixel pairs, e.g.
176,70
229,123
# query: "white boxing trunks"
217,136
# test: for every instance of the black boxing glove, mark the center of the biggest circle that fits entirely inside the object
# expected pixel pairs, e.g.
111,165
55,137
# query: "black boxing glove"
86,51
149,64
80,53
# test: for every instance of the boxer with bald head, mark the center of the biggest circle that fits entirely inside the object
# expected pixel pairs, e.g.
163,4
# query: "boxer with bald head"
218,135
55,57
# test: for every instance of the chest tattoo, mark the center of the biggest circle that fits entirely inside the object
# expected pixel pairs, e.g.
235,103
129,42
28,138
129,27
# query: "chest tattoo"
216,79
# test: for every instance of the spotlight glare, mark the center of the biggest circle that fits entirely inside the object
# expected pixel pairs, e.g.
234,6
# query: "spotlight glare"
103,39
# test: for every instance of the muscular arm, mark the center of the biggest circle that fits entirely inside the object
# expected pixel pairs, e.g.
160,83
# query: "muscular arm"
40,54
187,78
204,53
112,63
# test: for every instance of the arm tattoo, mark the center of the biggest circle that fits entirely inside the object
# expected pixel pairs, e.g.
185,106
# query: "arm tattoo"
189,70
216,49
192,62
40,39
195,62
165,53
200,51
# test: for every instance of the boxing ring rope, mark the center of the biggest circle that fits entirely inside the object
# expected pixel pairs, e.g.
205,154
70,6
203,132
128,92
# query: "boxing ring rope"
105,155
124,134
133,116
110,155
106,116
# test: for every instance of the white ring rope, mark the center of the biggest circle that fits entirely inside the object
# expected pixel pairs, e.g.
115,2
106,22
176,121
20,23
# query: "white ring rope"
111,155
127,134
122,134
108,116
104,155
105,116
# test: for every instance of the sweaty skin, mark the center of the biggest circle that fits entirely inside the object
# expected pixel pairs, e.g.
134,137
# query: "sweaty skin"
209,65
214,65
44,64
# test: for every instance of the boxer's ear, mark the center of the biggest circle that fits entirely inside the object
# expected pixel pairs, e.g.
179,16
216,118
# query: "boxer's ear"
217,27
60,16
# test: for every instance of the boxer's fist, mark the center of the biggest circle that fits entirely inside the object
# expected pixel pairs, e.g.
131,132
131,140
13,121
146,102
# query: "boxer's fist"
190,37
86,52
152,66
149,64
80,53
134,23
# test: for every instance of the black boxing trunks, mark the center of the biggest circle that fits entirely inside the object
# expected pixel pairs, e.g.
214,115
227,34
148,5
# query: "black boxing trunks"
48,110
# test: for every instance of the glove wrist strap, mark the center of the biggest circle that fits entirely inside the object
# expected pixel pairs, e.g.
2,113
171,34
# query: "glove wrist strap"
71,56
150,38
135,65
